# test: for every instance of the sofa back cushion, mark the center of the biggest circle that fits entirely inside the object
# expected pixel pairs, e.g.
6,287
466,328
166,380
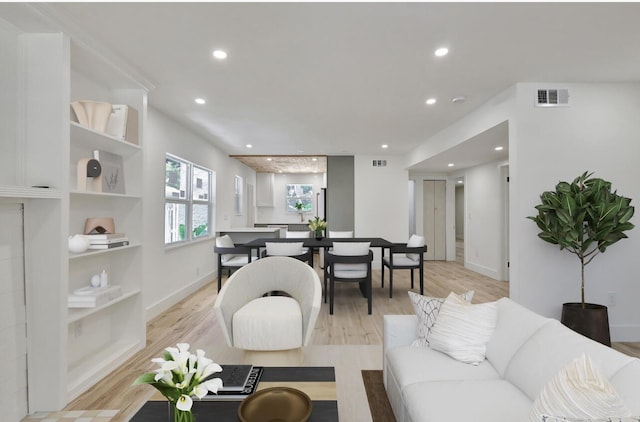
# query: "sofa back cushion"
551,348
514,326
626,381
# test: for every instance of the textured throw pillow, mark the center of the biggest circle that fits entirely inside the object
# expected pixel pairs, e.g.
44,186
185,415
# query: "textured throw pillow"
427,309
579,390
225,242
462,330
284,248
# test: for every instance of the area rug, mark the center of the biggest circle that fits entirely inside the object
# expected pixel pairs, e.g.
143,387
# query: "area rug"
377,396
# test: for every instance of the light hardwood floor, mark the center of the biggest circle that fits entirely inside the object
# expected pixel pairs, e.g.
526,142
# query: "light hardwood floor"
349,340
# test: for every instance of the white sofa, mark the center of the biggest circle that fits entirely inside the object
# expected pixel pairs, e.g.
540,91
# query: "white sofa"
525,351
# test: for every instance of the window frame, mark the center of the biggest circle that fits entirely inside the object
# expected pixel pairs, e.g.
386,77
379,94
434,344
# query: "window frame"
189,202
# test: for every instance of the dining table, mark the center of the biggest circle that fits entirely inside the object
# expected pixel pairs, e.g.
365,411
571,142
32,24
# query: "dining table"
324,242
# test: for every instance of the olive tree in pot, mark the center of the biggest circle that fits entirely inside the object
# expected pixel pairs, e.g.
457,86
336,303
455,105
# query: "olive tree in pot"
584,217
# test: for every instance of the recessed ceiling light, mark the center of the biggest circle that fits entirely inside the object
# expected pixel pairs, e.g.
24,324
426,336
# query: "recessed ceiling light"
459,181
450,165
314,159
442,51
431,101
200,101
459,99
220,54
499,148
249,146
269,159
385,146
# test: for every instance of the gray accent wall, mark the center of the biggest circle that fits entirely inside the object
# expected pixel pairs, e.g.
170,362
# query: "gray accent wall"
340,193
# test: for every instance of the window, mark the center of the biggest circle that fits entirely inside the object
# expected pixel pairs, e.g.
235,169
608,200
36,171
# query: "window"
187,211
239,188
299,198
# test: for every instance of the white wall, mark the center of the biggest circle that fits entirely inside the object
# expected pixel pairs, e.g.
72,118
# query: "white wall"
598,132
278,214
8,104
381,200
483,205
172,273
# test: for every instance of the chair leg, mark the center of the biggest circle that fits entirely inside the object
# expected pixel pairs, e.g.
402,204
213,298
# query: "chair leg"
369,295
219,278
331,286
411,278
422,281
390,283
382,278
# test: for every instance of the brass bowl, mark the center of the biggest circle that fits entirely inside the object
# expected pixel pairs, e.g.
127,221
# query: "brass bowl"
277,404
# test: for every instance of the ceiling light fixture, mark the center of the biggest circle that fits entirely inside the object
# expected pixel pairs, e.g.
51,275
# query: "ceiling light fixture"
499,148
459,99
269,159
200,101
220,54
450,165
249,146
442,51
385,146
431,101
459,181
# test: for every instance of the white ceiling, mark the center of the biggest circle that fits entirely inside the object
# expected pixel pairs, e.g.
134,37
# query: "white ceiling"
345,78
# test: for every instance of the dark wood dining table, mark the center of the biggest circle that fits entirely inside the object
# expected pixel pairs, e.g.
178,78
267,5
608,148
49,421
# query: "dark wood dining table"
325,242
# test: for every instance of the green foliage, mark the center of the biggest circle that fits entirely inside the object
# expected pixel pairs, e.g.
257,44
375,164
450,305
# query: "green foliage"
317,224
583,217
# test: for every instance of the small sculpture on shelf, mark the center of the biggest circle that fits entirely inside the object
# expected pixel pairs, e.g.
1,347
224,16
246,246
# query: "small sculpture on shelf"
89,169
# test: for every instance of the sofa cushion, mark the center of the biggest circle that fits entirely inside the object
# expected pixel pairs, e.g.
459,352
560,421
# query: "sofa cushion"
427,309
416,364
561,419
579,390
514,326
466,400
551,348
462,330
625,381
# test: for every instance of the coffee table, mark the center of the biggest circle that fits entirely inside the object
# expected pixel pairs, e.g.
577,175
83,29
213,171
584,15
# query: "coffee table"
318,382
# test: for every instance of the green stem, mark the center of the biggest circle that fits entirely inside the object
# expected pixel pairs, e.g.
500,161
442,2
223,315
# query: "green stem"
181,416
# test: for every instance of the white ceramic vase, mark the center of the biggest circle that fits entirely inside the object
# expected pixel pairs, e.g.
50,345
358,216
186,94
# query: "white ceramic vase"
78,243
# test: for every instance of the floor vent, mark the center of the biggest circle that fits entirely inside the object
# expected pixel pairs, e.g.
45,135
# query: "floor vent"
379,163
552,98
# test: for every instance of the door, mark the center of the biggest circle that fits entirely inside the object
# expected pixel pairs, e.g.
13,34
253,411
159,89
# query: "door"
434,204
13,320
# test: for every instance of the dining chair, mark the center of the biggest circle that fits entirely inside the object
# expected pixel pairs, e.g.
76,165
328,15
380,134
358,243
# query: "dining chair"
348,262
231,256
333,234
290,249
405,256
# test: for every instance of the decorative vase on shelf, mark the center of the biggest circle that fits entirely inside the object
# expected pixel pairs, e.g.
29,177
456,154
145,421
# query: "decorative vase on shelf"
78,243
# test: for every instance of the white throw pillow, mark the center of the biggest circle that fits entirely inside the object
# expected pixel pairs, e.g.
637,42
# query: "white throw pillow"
579,390
427,309
225,242
462,330
414,242
284,248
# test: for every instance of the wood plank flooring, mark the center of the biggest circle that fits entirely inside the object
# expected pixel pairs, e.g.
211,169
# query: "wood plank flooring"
350,339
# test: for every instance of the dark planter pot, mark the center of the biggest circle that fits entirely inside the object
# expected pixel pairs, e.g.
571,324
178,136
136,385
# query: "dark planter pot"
592,321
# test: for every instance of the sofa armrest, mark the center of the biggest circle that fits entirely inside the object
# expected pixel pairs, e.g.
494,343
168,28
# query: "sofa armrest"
398,330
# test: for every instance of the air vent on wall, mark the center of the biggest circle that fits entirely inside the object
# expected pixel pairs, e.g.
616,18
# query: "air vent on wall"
379,163
552,98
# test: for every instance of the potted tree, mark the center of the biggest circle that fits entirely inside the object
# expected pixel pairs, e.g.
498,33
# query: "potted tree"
584,217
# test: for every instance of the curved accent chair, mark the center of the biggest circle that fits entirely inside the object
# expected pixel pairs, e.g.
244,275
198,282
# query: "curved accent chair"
405,256
251,319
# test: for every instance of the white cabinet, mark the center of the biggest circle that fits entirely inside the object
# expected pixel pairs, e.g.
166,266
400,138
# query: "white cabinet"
264,191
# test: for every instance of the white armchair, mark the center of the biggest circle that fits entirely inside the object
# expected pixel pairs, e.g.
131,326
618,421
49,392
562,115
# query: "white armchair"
252,321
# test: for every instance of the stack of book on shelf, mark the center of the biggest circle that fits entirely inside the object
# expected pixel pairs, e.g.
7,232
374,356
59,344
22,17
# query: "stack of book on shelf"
107,240
238,382
91,297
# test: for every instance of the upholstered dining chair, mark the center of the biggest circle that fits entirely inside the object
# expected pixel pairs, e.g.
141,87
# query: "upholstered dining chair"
405,256
335,234
231,256
291,249
348,262
252,321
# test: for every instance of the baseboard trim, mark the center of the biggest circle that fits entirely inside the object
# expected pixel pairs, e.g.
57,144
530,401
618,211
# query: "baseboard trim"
162,305
489,272
624,333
